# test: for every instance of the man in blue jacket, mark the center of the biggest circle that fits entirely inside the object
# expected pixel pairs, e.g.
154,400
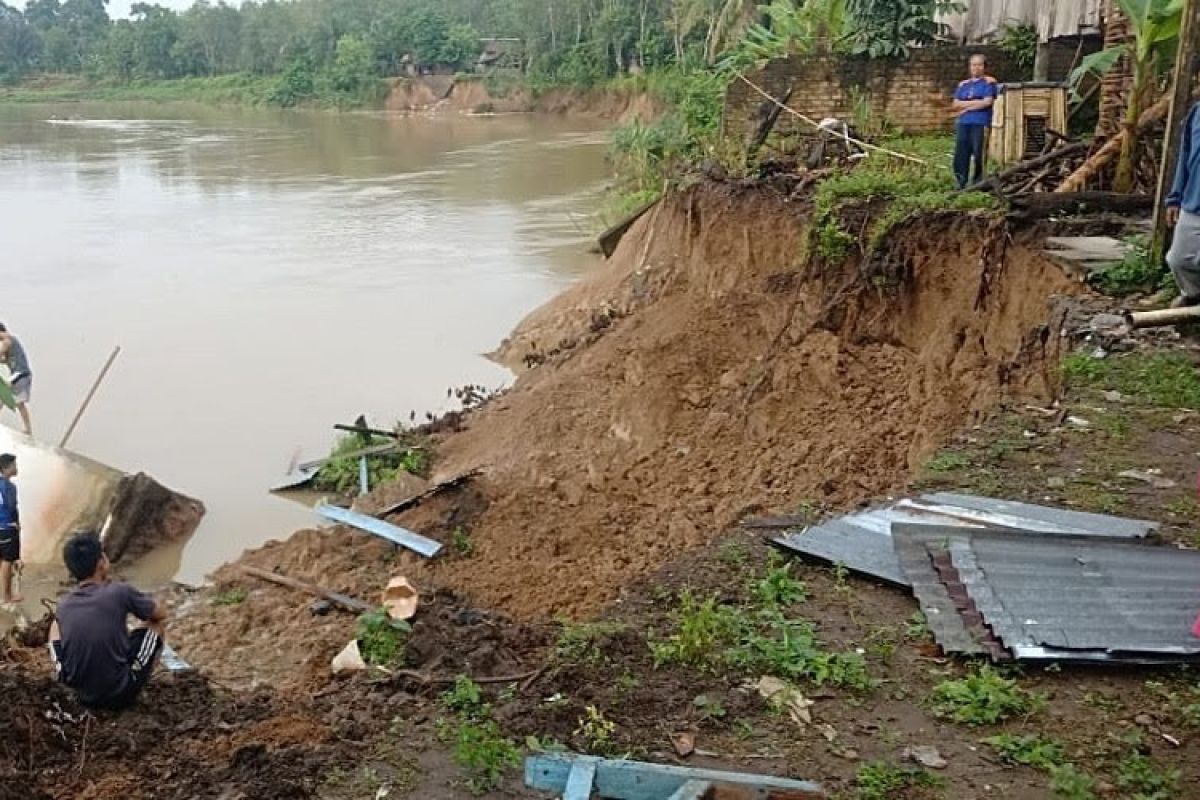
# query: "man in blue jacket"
1183,211
973,100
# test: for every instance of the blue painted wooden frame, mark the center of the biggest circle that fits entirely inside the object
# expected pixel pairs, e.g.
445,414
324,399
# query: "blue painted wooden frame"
637,780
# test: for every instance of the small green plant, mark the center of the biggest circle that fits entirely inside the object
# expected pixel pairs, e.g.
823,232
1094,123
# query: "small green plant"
460,542
733,553
879,780
484,753
917,627
1031,750
1068,782
703,629
1137,272
983,698
778,588
596,731
1102,701
232,596
381,639
479,746
465,698
947,461
1142,779
582,643
708,708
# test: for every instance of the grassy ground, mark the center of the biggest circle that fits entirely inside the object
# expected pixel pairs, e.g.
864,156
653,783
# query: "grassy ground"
220,90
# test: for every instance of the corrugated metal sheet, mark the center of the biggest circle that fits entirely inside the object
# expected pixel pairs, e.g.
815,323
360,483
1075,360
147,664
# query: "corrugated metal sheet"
862,542
1075,594
984,20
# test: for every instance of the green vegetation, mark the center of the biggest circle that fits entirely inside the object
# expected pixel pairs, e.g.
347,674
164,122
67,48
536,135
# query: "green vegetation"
759,637
907,189
381,639
342,474
1069,783
948,461
879,780
1019,42
1139,271
1140,778
461,543
232,596
596,732
1030,750
479,746
1169,380
984,697
582,643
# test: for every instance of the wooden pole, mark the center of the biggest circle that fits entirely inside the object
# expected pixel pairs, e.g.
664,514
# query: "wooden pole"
352,604
91,393
1181,92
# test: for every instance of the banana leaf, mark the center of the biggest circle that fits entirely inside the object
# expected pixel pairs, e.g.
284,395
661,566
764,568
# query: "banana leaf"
6,395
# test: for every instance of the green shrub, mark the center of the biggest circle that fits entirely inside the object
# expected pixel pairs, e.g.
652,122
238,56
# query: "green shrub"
381,639
982,698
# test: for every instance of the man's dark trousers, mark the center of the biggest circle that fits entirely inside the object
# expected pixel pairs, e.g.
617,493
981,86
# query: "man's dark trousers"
968,150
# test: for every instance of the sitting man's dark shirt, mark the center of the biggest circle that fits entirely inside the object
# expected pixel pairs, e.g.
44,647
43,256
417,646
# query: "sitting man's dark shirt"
98,656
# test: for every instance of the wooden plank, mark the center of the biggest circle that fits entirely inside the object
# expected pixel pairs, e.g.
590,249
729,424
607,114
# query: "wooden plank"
385,530
345,601
612,237
692,790
636,780
579,781
409,502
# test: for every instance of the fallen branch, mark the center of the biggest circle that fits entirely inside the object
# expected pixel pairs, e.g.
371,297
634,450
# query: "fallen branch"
994,182
430,680
1112,148
346,602
1040,204
768,123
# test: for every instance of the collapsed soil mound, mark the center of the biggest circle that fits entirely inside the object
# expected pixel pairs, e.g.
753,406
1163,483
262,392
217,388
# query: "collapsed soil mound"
186,739
709,371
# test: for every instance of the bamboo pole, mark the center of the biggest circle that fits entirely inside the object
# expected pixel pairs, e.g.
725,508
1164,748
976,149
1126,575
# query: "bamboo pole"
91,393
1164,316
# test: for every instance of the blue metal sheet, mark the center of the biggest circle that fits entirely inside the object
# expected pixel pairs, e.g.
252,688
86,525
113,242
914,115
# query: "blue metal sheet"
393,533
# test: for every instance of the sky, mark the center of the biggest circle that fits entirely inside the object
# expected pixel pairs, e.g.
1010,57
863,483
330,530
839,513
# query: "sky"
119,9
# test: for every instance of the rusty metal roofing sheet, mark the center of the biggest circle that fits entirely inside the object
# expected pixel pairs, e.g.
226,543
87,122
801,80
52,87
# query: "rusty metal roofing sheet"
862,541
1076,594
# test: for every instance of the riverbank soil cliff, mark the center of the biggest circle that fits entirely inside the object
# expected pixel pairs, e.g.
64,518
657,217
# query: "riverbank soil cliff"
715,368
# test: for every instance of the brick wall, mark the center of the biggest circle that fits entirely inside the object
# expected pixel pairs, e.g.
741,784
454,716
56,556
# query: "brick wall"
913,94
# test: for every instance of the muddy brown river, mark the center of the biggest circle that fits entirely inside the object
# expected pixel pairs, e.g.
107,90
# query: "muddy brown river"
268,274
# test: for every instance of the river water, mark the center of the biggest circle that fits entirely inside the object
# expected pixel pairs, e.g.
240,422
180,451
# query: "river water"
268,274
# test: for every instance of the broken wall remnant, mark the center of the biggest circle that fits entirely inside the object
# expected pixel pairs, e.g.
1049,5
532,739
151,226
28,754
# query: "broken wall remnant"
62,492
913,94
146,515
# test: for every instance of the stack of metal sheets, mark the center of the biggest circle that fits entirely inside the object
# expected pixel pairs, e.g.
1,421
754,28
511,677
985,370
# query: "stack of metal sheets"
1017,581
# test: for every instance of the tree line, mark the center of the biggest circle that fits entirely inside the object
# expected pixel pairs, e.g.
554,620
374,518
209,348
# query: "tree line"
577,41
350,43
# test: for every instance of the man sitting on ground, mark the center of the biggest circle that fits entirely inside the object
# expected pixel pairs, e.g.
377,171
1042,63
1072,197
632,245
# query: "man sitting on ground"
93,651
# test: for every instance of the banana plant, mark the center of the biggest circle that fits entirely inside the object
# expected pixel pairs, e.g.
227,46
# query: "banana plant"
1148,55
